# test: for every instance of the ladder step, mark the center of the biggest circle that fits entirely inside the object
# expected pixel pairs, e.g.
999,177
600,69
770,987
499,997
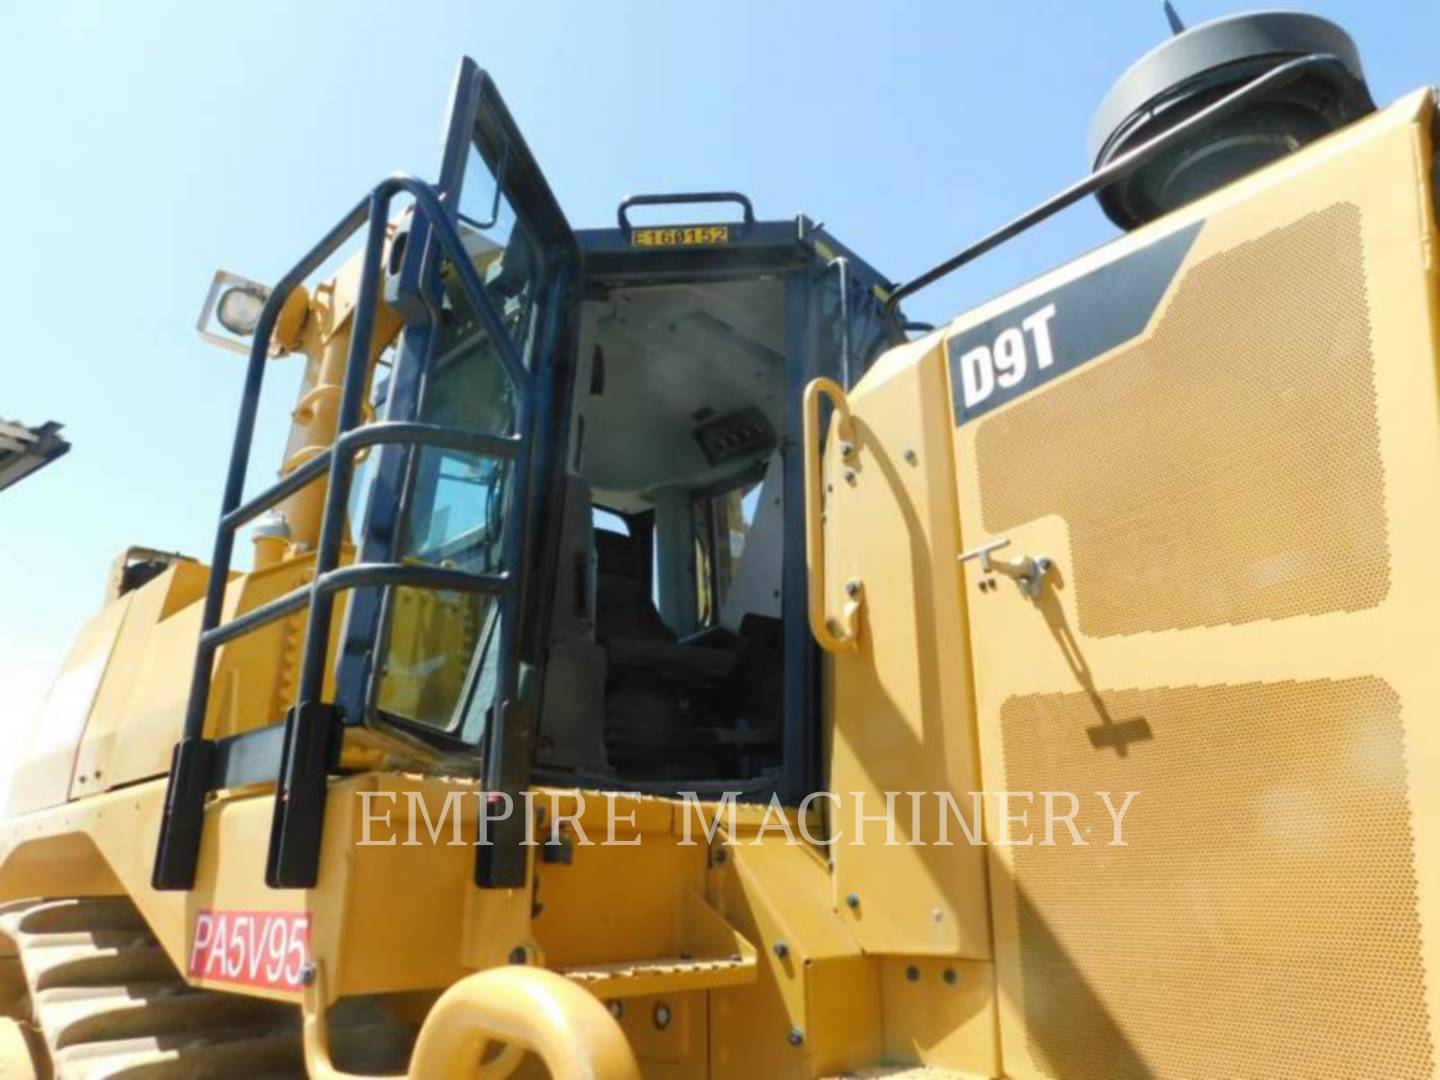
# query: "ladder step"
900,1072
633,978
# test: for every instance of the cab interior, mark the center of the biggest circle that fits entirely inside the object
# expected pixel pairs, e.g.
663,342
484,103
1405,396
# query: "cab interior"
665,659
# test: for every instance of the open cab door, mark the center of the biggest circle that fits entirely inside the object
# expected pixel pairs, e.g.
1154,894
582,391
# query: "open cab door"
435,668
480,272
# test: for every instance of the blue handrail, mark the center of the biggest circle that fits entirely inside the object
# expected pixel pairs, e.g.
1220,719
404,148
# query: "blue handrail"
336,460
194,756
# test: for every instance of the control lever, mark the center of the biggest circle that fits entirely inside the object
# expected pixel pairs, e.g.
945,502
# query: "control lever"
1029,572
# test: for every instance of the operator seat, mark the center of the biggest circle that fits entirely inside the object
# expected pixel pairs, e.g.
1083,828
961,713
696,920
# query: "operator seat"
629,625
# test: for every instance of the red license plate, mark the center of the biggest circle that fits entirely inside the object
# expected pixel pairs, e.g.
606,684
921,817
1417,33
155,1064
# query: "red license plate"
252,948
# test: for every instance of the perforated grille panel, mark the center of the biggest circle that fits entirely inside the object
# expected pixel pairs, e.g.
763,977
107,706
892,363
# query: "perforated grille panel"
1227,468
1261,921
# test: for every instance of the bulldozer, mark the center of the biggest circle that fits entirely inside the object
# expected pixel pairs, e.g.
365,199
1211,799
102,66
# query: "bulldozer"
658,656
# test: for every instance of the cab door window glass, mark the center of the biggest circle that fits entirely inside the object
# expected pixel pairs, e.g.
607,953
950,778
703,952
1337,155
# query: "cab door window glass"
441,649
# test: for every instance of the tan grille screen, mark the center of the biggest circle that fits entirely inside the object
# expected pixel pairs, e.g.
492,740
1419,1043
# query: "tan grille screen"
1262,921
1227,468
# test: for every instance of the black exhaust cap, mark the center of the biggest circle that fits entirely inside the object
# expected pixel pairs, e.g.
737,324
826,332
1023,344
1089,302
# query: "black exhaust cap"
1198,67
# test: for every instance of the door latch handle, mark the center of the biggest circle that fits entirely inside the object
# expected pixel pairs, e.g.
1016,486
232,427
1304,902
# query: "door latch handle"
1027,571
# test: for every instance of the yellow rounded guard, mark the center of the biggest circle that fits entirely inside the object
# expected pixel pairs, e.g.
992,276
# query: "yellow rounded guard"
529,1008
834,636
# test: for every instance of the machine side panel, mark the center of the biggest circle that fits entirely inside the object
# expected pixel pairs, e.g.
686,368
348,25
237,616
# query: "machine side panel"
41,776
1239,502
148,672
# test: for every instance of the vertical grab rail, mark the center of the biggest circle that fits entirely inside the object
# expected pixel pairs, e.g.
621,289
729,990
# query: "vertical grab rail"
311,728
834,636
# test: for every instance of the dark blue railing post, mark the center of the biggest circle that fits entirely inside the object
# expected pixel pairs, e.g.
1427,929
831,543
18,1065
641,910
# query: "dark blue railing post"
193,757
312,728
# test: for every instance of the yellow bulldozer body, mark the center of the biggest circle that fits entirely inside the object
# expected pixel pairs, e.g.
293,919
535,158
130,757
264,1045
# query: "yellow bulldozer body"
1237,502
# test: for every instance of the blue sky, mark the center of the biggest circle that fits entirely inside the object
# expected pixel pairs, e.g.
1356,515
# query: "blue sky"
147,144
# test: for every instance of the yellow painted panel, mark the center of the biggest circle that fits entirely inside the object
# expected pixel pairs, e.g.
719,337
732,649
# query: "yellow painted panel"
42,777
900,702
846,1024
1266,688
118,746
941,1014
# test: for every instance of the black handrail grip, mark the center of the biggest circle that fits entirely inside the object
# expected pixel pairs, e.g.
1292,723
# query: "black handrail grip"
255,618
501,446
1125,164
302,475
400,431
354,577
680,198
369,575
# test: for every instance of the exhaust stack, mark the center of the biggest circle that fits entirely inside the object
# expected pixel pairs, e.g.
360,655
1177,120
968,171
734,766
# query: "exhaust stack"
1199,66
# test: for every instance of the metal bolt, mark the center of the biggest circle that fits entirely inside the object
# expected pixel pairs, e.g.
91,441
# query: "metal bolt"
853,587
796,1037
912,458
662,1016
912,973
782,950
850,476
950,977
307,975
846,447
617,1009
518,955
853,900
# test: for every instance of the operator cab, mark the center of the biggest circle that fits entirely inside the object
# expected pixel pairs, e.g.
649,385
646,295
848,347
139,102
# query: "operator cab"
667,648
651,630
666,655
571,547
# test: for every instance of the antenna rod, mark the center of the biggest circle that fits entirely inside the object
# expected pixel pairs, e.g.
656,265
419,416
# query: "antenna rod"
1176,26
1128,162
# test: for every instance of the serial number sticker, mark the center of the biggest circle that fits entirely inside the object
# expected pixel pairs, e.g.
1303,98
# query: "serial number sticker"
681,236
252,948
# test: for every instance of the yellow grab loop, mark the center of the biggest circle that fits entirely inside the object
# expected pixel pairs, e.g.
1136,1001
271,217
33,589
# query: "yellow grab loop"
523,1008
834,635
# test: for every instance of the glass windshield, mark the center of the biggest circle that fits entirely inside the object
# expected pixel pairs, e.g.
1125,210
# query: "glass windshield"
455,518
721,526
502,249
441,649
